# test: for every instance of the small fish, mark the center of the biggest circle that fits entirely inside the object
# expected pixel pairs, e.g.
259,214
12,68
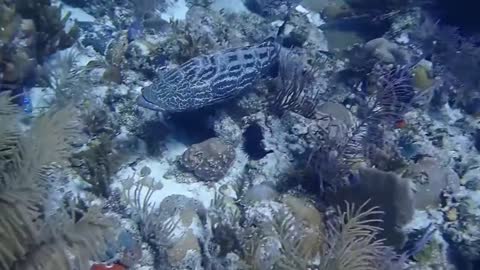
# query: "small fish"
26,102
421,238
400,124
210,79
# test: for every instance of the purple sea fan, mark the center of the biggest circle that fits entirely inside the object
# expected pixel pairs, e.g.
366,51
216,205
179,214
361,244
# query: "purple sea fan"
394,92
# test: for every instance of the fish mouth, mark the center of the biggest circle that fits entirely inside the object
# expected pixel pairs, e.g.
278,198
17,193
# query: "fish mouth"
143,102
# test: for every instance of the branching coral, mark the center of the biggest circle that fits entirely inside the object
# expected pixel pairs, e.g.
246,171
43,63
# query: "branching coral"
49,24
64,235
380,103
29,238
132,193
392,94
294,256
29,32
137,194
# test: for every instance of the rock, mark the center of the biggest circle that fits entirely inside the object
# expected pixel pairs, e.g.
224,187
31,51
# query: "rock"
185,252
140,56
186,208
227,130
300,32
471,179
306,134
336,10
131,249
271,9
464,231
209,160
312,224
76,3
430,250
180,243
386,51
304,211
261,192
476,139
112,74
250,103
431,179
452,214
96,35
315,5
127,244
337,111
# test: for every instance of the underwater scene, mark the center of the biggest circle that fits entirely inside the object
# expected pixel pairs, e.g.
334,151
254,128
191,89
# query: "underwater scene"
239,135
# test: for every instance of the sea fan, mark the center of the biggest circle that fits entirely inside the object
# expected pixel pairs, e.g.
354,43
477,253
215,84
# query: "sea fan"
352,243
24,184
295,88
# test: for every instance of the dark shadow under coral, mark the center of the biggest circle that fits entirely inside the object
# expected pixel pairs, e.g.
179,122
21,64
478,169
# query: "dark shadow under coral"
253,142
193,126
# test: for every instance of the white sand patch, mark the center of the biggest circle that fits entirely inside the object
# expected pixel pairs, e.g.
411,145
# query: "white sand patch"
159,168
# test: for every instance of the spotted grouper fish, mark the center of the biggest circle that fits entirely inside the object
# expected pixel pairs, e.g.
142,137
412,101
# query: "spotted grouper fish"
210,79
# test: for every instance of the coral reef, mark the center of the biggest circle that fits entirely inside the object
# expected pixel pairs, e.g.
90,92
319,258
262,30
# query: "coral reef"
462,229
30,32
431,180
32,234
97,165
209,160
390,193
271,135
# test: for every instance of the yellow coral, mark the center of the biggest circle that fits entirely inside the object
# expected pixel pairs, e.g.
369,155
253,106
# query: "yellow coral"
421,78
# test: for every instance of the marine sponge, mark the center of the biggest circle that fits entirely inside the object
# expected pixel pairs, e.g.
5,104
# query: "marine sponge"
389,192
